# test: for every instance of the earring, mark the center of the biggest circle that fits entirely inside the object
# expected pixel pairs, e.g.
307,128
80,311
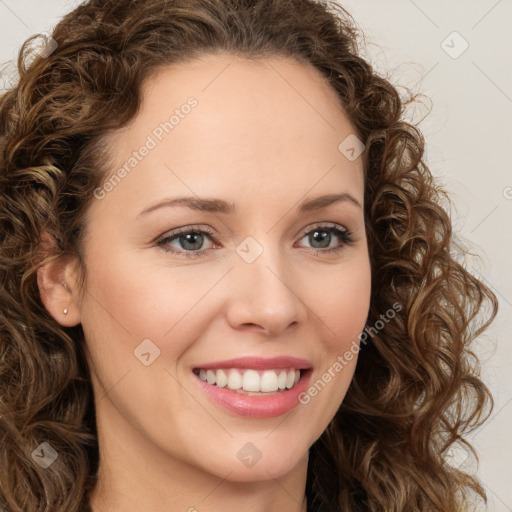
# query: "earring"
66,311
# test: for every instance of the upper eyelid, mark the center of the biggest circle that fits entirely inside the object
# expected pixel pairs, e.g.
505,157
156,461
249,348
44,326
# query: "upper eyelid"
325,224
212,232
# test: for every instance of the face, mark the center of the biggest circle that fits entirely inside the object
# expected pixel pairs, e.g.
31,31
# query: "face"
253,281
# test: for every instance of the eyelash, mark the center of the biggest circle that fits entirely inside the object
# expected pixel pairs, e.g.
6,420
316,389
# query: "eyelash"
344,234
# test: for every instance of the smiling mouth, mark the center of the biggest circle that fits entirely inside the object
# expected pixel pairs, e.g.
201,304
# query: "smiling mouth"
249,381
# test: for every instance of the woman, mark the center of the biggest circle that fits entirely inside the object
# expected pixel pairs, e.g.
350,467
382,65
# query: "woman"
211,211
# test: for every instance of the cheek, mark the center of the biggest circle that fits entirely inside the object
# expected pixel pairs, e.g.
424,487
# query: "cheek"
145,300
127,304
343,304
128,301
341,309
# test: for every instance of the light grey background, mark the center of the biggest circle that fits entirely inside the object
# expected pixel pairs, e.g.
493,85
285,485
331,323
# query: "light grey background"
469,139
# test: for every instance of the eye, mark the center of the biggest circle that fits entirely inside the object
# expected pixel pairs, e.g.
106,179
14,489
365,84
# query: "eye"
189,241
322,236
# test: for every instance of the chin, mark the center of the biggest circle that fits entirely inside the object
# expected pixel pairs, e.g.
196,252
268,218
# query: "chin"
251,464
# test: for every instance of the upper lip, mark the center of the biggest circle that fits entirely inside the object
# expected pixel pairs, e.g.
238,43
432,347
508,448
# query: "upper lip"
259,363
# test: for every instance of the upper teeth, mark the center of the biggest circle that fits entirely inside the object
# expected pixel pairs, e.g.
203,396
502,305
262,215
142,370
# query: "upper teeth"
251,380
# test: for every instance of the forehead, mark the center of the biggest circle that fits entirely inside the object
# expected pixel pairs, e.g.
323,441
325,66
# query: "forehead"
224,123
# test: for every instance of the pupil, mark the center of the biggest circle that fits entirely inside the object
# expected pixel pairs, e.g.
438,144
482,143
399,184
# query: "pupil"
324,236
192,238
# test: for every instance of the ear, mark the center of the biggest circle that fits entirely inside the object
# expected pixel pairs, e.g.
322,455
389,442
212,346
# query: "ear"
58,286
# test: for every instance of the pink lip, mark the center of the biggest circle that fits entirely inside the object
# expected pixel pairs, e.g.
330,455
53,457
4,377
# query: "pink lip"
259,363
257,406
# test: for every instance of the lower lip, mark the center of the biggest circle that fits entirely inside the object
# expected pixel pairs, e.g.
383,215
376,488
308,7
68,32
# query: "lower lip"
257,406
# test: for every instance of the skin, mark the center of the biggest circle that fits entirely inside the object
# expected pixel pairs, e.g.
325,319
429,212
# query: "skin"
265,137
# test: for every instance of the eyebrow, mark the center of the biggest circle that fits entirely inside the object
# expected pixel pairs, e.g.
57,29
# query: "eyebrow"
212,205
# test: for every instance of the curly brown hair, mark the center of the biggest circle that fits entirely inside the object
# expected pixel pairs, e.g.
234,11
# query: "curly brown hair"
416,388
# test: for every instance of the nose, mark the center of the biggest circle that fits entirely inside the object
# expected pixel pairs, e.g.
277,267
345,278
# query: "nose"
266,295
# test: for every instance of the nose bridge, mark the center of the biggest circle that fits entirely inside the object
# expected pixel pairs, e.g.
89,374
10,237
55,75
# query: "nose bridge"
265,295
